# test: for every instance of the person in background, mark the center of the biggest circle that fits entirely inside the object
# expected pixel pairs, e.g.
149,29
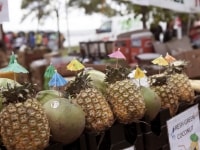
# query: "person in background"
194,35
52,42
62,40
156,30
38,39
31,40
170,32
19,41
45,40
3,55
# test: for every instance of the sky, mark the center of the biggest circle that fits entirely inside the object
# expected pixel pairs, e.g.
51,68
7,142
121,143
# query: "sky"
77,20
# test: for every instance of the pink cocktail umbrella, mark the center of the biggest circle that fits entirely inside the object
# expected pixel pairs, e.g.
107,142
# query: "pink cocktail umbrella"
118,55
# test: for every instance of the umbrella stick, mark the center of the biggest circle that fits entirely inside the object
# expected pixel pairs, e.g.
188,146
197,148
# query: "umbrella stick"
14,77
159,69
117,64
59,92
139,83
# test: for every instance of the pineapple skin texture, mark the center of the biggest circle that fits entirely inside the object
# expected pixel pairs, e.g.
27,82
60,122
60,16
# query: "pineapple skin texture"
169,97
183,87
126,100
99,115
24,126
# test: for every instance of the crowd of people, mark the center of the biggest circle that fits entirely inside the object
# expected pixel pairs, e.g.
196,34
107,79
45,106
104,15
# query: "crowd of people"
168,34
171,32
194,34
13,41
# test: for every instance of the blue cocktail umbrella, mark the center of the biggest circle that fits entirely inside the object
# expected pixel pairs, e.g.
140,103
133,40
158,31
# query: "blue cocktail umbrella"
57,80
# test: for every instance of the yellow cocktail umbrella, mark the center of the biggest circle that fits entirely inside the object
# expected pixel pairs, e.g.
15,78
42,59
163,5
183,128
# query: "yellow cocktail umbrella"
139,73
75,65
160,61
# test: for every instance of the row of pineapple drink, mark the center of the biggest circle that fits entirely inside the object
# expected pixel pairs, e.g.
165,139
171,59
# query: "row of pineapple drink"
92,102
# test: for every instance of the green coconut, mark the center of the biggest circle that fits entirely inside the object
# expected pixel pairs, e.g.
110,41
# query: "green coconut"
66,120
98,79
46,95
152,102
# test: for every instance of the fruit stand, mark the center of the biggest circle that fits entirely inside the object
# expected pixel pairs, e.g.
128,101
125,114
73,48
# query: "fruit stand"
145,135
107,108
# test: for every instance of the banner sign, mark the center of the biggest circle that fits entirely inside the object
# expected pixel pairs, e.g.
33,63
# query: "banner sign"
184,130
141,2
4,11
188,6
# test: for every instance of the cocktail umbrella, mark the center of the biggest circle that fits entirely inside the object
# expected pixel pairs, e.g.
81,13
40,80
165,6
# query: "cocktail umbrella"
10,75
160,61
140,76
14,67
12,58
139,73
118,55
169,58
57,80
48,74
75,65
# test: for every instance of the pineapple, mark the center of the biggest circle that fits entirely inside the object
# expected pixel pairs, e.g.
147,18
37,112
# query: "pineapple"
124,96
180,81
24,125
166,91
99,115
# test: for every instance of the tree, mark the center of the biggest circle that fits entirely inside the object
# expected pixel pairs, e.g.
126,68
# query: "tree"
41,9
120,7
94,6
35,8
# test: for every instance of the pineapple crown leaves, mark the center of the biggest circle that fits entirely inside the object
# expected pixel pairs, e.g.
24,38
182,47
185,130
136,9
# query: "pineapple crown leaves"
81,81
116,74
158,80
15,94
177,67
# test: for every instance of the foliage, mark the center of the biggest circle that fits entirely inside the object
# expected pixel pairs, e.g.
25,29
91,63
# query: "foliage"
94,6
41,9
108,8
35,7
122,7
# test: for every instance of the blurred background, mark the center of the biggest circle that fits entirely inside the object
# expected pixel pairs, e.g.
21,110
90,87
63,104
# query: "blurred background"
78,20
44,31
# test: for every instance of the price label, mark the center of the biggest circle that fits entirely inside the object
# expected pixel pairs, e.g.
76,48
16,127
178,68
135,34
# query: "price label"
130,148
184,131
